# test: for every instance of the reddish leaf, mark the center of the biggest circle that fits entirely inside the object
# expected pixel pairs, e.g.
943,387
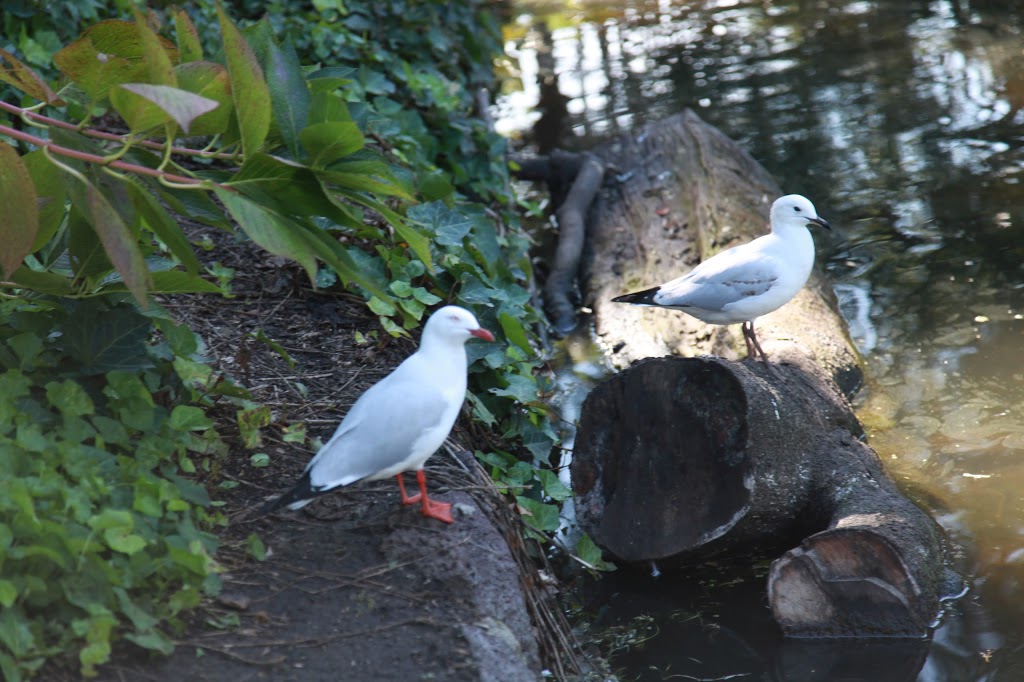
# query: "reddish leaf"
14,72
158,63
180,105
21,215
189,46
211,81
121,245
248,87
110,53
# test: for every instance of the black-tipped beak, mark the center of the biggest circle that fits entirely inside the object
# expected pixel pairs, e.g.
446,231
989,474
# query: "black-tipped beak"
821,222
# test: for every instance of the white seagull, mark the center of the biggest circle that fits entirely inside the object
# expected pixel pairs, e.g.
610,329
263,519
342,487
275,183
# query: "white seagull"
400,421
749,280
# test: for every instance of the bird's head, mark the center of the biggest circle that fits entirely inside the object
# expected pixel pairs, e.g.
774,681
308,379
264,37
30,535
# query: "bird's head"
794,210
455,324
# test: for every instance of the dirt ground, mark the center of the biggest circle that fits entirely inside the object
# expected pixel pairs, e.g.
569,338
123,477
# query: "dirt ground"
355,586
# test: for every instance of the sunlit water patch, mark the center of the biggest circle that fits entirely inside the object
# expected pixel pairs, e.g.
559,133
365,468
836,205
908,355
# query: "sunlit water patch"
901,120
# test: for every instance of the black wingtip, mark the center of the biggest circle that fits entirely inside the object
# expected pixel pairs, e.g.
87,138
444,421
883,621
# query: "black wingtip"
638,298
301,491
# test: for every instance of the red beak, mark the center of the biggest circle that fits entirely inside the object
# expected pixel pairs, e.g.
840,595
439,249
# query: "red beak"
482,333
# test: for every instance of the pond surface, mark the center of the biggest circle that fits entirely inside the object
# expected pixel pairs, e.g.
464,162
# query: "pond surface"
901,120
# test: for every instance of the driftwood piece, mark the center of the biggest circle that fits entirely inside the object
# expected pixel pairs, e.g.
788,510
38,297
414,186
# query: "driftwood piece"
571,217
676,459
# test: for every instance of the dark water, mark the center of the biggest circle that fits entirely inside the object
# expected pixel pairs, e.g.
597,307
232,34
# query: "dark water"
901,121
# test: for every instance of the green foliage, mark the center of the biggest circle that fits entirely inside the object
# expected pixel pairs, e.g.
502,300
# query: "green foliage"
100,534
369,167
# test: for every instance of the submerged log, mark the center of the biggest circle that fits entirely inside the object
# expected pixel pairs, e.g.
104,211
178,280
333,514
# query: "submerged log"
678,458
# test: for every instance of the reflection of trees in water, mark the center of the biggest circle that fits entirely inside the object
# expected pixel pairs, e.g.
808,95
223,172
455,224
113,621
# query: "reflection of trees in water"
887,110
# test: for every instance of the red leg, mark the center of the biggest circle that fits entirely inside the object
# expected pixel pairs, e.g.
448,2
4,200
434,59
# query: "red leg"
405,498
442,511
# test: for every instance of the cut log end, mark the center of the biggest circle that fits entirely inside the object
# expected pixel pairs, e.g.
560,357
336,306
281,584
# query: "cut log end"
661,460
846,582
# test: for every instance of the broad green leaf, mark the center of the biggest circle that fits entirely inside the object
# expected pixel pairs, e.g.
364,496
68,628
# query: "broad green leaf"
178,282
553,486
346,267
51,194
189,418
112,518
159,68
419,244
250,421
42,282
211,81
163,226
514,331
284,186
70,398
190,48
15,633
102,340
107,54
120,245
20,222
448,226
521,388
360,182
271,231
543,517
328,142
289,94
14,72
248,88
86,256
8,593
591,554
179,105
123,540
152,640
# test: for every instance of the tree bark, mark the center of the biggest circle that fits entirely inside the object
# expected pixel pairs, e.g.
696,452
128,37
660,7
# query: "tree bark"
680,458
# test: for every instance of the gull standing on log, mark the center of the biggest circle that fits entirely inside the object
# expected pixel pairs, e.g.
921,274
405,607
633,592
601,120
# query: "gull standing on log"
749,280
400,421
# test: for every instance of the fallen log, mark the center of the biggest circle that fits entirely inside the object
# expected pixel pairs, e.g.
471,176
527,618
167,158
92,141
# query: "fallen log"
678,458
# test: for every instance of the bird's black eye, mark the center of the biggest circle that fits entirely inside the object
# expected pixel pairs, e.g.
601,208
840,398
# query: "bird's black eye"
796,208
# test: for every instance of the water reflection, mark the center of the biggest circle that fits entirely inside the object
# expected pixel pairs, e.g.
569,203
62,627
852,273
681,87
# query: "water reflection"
902,119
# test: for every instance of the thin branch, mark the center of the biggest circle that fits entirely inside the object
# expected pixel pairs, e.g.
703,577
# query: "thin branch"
102,161
39,120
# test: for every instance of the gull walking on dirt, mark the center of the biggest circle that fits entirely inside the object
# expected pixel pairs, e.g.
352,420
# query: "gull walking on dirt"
400,421
749,280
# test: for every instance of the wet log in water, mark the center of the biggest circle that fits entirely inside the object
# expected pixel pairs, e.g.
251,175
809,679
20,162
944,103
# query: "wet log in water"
677,459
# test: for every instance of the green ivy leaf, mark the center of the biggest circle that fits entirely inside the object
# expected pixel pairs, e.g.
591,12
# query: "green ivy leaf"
553,486
540,516
591,554
8,593
70,398
102,340
189,418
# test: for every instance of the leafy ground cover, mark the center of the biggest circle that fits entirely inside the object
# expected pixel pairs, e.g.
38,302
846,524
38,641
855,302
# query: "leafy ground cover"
359,156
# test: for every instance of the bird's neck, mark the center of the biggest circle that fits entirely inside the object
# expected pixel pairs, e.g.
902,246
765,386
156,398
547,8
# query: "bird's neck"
443,354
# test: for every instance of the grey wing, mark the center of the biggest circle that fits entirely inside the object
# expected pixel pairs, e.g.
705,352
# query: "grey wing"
378,432
716,287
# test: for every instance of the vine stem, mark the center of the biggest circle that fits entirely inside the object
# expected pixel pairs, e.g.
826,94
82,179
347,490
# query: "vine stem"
39,119
99,160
